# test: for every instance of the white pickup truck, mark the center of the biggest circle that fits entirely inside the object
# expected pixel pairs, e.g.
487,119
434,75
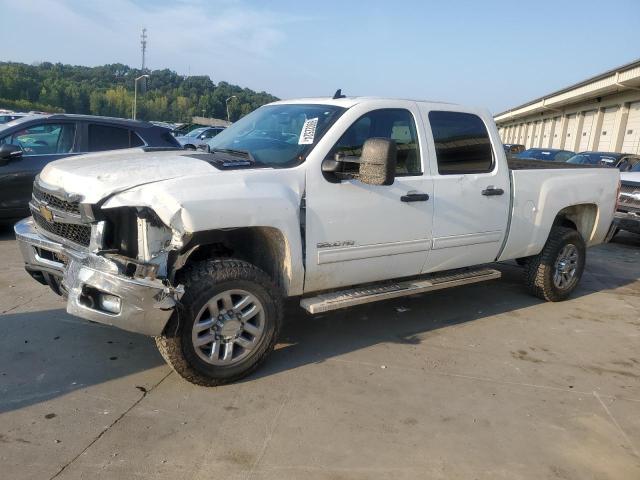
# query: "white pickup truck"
337,201
628,214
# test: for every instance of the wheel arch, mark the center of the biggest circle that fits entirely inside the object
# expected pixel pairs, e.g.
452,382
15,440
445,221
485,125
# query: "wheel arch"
581,217
265,247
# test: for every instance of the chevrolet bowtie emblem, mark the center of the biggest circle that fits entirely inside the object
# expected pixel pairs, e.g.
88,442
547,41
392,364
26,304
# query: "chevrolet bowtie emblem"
46,213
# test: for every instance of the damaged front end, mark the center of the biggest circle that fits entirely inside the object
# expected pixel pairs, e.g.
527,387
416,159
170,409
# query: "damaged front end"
113,266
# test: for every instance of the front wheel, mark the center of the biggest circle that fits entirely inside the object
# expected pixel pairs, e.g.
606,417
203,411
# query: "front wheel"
229,322
556,271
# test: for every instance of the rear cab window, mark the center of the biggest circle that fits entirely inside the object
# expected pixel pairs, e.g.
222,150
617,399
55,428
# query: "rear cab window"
462,143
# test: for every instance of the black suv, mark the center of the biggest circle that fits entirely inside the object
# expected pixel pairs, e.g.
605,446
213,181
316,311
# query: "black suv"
29,143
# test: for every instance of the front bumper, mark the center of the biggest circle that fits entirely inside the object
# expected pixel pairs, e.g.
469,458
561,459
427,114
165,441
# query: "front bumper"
145,305
629,221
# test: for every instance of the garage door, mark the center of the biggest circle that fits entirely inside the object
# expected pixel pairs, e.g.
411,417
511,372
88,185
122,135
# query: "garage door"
631,141
570,137
528,141
537,131
556,141
605,144
520,133
546,133
587,127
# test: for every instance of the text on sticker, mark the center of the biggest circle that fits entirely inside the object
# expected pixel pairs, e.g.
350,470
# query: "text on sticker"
308,132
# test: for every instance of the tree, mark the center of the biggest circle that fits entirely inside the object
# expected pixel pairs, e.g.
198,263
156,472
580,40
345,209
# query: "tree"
108,90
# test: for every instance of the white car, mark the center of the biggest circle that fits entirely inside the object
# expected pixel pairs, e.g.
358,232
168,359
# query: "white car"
335,201
198,137
628,211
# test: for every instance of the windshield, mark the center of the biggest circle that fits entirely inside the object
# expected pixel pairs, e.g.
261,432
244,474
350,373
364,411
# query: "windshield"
278,135
548,155
582,160
593,158
635,168
537,154
196,132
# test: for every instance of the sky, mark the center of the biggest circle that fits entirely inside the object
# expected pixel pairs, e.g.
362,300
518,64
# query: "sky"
494,54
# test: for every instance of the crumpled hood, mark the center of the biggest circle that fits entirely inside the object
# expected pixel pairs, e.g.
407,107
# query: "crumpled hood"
98,175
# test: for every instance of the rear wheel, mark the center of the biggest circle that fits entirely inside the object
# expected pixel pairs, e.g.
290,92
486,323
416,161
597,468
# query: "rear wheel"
229,322
556,271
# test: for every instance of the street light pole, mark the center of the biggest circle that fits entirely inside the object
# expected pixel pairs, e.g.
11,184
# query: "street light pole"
227,102
135,95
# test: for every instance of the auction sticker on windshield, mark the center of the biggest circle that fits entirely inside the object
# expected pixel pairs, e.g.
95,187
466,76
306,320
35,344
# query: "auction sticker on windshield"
308,132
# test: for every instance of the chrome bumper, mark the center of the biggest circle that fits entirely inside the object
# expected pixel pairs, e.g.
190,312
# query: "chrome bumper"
145,305
628,221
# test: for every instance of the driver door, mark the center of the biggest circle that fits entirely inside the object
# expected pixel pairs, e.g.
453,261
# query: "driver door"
358,233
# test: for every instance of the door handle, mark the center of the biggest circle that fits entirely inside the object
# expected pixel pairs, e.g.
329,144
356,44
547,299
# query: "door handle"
415,197
490,191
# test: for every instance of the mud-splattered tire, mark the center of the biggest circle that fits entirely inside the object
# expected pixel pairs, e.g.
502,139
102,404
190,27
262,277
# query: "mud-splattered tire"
219,295
556,271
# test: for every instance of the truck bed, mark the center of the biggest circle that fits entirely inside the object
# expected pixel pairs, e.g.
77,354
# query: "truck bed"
540,190
526,164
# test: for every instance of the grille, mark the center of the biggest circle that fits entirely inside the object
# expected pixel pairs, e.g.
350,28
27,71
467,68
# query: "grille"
55,202
629,196
80,234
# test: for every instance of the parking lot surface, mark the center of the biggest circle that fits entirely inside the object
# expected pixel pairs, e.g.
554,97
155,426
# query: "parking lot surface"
478,382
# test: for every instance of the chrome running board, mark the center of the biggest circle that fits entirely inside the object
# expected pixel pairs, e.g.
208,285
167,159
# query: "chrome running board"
386,290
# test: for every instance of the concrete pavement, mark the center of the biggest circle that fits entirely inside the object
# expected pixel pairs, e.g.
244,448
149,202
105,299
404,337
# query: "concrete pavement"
479,382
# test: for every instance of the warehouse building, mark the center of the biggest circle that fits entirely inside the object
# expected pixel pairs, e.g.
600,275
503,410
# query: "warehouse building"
601,113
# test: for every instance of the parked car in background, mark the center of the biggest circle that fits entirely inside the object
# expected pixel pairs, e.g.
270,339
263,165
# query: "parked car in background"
11,116
546,154
512,149
198,137
606,159
628,163
628,209
184,128
170,126
30,143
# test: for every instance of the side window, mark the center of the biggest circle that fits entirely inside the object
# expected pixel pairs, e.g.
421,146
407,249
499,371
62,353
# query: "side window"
563,156
104,137
44,139
396,124
211,133
462,143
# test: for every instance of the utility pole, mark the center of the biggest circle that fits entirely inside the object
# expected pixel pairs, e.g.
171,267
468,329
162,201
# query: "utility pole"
143,44
227,102
135,95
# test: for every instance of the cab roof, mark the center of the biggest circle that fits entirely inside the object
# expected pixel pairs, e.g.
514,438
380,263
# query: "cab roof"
348,102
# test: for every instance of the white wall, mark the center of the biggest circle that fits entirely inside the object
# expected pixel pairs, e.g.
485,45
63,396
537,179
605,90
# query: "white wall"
611,124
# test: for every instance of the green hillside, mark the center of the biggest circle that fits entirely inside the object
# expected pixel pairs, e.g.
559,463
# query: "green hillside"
108,90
